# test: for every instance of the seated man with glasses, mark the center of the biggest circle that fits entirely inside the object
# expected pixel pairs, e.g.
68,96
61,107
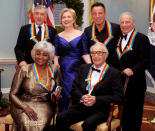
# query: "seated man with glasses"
95,87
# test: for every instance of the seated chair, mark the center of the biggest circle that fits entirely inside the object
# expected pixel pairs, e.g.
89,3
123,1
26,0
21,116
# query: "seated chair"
114,120
6,121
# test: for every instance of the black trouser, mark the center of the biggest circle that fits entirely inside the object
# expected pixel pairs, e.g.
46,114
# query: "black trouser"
152,61
78,113
133,112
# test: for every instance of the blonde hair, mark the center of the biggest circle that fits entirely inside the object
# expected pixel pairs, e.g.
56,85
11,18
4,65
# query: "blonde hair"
73,13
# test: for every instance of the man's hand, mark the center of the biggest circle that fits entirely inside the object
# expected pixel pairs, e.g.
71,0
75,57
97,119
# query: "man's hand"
22,63
127,72
153,39
88,100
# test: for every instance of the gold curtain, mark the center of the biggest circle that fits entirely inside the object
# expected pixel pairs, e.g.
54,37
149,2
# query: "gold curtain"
91,2
151,6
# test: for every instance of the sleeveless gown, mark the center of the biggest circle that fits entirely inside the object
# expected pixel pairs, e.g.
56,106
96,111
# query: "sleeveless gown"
70,59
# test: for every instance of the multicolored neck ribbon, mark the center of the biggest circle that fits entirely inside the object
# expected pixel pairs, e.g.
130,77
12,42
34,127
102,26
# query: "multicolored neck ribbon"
33,35
109,28
128,47
104,70
40,83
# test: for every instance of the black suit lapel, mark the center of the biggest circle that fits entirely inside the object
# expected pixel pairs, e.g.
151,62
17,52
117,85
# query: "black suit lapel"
129,41
120,46
101,83
30,32
85,83
129,46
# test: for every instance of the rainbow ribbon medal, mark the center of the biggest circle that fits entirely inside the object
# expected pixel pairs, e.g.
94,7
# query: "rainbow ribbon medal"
33,37
128,48
40,83
104,70
109,34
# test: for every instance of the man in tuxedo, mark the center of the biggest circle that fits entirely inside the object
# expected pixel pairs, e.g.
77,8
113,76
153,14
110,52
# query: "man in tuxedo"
31,34
132,58
94,88
102,30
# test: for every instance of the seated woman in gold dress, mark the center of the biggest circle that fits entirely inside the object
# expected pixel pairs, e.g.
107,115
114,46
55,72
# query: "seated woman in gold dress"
32,89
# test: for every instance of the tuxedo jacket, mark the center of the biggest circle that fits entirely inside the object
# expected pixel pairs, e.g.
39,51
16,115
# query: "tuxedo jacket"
24,44
101,36
138,60
108,90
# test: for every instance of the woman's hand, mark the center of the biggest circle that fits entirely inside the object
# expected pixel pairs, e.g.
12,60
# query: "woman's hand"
31,113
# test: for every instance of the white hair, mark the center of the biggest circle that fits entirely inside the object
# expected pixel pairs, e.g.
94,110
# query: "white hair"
44,46
102,46
129,14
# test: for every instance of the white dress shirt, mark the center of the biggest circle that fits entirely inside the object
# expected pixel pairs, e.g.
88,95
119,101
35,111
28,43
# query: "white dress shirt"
42,30
125,42
95,76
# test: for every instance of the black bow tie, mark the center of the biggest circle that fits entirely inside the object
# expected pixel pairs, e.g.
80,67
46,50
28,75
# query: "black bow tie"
94,69
124,36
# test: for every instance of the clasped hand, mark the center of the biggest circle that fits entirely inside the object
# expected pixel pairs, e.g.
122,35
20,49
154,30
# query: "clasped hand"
88,100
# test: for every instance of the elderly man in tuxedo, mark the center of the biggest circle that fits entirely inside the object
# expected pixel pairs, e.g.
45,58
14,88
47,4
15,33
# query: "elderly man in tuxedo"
31,34
94,88
132,58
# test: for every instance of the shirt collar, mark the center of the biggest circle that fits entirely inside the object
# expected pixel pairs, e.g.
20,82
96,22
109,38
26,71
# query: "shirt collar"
101,68
129,34
42,26
104,28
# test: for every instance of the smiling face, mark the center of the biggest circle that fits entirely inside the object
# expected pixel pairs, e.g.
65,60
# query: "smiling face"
39,15
98,15
126,23
98,55
67,19
41,57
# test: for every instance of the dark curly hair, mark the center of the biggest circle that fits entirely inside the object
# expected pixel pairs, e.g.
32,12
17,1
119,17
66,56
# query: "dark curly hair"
96,4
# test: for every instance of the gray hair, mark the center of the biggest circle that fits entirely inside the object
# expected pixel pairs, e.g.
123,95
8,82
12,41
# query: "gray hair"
102,46
129,14
41,7
45,46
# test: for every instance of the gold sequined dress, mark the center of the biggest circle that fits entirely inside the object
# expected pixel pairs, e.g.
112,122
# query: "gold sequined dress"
25,92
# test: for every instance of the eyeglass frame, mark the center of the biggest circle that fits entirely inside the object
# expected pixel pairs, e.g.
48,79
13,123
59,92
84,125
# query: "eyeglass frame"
99,53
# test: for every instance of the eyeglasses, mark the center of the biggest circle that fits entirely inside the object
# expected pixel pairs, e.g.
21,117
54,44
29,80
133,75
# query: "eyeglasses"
99,53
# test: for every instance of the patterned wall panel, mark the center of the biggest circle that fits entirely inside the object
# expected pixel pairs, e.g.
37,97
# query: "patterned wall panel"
7,75
8,65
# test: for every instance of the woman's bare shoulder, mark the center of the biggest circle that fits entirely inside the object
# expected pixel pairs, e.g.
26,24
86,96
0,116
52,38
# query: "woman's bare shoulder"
61,34
78,32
